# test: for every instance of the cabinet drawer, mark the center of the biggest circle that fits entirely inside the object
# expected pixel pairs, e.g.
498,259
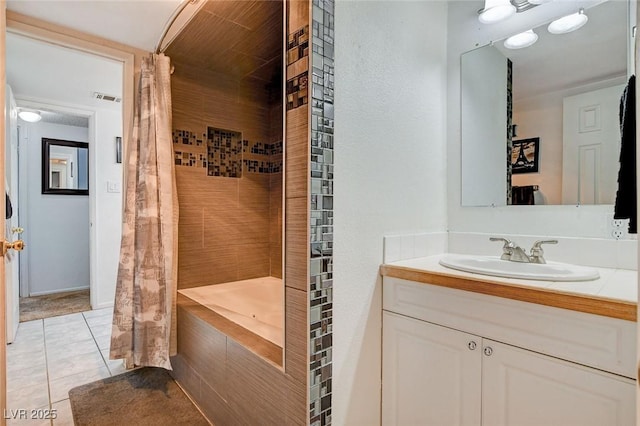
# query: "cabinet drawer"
596,341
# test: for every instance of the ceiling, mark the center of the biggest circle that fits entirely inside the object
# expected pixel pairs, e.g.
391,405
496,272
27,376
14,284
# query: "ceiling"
241,39
593,53
66,119
137,23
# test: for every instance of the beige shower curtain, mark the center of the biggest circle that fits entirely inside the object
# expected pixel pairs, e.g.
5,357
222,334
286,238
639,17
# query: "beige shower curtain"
144,317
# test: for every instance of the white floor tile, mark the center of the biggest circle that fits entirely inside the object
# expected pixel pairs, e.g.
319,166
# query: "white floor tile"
104,341
17,380
59,388
29,398
116,366
103,320
64,416
58,349
33,359
16,349
98,312
64,319
75,364
30,325
26,417
67,333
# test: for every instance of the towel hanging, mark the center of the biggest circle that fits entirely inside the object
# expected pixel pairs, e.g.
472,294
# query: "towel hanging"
626,197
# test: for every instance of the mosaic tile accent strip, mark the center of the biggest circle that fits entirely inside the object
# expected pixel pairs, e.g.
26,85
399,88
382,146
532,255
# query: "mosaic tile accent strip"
297,91
224,153
321,218
298,45
259,157
189,159
186,137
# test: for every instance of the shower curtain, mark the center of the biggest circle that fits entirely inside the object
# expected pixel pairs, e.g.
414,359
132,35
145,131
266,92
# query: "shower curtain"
144,320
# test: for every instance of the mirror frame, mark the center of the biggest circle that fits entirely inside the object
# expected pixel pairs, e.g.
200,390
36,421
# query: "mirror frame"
46,188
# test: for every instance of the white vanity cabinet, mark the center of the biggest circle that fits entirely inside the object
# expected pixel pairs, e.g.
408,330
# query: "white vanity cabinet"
443,369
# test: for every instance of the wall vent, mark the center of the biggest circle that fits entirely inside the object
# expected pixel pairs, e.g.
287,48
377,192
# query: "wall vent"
105,97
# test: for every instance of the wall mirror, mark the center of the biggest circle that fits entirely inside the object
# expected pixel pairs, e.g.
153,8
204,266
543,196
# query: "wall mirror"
563,92
65,167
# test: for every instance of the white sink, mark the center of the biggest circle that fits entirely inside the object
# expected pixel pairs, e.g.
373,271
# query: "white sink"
494,266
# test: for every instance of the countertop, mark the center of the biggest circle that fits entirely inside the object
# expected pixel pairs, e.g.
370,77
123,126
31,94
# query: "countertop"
614,294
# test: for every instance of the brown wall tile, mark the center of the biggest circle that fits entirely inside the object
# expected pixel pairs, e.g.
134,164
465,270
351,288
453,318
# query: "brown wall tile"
296,334
298,152
297,243
256,395
203,348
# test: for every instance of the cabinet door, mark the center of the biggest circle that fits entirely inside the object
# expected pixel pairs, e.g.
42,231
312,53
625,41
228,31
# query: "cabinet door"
430,376
523,388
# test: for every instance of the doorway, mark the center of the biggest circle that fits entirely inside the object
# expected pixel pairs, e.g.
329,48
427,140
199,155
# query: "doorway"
72,239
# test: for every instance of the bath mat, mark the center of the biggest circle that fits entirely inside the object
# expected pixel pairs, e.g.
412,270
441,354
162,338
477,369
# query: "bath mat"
53,305
147,396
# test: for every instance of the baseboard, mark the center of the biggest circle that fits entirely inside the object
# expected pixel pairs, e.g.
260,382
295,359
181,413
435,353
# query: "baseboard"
65,290
102,305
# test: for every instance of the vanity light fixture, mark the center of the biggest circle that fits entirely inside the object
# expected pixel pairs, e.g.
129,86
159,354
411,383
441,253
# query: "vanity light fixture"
522,40
496,11
29,115
568,23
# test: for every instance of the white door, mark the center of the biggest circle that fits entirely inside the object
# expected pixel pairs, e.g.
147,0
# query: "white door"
430,374
12,266
525,388
591,146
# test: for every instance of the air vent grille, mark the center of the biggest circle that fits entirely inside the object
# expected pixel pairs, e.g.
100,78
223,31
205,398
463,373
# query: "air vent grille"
105,97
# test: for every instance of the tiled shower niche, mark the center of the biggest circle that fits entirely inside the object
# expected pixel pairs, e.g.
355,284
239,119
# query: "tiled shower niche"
224,152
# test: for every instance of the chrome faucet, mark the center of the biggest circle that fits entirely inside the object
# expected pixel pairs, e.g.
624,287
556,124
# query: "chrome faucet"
514,253
537,254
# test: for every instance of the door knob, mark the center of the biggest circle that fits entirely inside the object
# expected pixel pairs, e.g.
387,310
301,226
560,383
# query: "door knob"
17,245
17,230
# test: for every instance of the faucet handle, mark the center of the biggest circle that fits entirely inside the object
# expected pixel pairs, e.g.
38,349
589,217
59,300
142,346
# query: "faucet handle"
507,248
537,254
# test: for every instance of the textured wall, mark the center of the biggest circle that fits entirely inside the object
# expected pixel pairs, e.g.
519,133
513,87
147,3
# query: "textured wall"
390,172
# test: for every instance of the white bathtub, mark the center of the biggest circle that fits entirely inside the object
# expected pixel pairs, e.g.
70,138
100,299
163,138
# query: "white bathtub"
256,304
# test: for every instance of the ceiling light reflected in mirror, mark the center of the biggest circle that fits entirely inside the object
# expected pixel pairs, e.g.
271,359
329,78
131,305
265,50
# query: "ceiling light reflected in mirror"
522,40
496,11
568,23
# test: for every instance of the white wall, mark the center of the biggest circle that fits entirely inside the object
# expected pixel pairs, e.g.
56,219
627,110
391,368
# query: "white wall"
390,172
57,226
107,207
465,33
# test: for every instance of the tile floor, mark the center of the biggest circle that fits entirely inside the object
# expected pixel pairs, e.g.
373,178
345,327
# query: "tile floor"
51,356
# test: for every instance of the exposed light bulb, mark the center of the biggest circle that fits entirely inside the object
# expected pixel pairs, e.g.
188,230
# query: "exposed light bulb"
496,11
568,23
521,40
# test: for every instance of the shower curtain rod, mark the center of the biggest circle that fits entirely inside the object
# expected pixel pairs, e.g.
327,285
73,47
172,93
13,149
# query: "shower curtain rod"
171,21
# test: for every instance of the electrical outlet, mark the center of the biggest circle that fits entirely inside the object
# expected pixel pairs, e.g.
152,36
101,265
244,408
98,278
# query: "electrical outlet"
617,234
618,223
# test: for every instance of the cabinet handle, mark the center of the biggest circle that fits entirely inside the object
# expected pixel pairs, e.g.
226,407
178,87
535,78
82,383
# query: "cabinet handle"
472,345
488,351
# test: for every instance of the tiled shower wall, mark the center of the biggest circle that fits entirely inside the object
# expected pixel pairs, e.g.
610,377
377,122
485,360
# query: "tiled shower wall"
228,155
